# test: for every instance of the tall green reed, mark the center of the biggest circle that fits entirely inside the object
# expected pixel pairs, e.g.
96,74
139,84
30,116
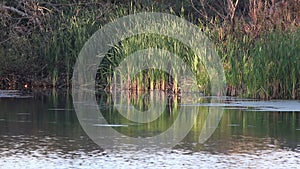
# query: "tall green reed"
72,30
276,63
145,80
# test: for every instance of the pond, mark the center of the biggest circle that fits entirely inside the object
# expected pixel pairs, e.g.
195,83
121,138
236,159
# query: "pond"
42,130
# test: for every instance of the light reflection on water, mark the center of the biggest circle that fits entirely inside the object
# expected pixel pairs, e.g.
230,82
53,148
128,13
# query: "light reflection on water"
43,132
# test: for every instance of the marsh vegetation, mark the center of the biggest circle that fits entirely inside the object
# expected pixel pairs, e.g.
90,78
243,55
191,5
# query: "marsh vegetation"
257,40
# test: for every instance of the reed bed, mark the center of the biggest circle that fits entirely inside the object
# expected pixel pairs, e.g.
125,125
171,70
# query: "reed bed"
275,66
151,79
266,68
259,49
72,30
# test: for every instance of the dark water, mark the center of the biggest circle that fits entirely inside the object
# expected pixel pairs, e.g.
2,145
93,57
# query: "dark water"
43,131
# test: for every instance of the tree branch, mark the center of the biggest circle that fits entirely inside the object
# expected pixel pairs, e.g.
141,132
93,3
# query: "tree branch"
13,10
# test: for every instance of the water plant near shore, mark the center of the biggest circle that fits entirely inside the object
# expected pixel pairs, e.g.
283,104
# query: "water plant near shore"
275,66
147,79
259,49
264,68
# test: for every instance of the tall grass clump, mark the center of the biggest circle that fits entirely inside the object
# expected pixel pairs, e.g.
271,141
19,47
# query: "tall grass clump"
258,46
73,28
152,78
275,66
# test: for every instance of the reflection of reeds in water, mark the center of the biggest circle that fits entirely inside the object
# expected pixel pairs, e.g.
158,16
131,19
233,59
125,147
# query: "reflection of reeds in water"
140,101
175,113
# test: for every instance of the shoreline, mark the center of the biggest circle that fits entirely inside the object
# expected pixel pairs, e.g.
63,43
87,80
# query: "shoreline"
45,85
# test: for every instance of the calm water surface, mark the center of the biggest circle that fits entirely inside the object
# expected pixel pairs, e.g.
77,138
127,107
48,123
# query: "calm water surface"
43,131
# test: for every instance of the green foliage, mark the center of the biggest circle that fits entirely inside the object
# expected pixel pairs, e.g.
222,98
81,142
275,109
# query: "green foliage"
260,52
71,30
144,41
275,66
